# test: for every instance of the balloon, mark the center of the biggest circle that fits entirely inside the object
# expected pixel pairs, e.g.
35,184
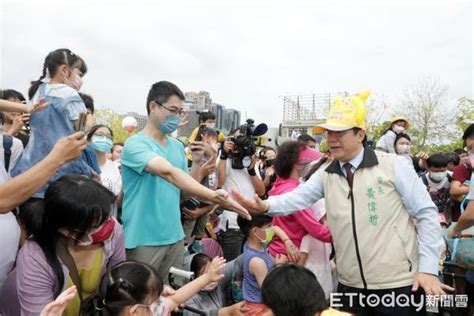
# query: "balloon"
129,124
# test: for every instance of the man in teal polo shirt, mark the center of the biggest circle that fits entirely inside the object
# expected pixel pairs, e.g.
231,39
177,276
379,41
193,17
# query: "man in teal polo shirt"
154,171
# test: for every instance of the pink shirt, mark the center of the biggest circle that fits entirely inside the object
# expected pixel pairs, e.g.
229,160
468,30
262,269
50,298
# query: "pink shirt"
296,225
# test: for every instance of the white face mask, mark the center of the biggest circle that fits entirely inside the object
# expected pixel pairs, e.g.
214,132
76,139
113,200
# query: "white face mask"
74,81
398,129
211,125
403,149
438,176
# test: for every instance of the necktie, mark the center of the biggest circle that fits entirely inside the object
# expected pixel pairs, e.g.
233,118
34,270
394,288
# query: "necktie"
349,174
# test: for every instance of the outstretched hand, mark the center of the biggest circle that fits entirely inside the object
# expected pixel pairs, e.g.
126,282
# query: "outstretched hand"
214,273
223,198
255,205
30,108
183,120
69,148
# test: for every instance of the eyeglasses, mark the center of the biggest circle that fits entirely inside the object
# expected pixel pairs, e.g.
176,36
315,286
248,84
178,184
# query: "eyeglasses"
173,111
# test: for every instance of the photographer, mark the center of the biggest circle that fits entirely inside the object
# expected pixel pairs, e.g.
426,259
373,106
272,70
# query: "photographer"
265,167
236,172
206,119
194,212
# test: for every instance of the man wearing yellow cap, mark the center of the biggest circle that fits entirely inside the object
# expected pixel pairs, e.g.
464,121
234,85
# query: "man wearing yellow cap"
371,200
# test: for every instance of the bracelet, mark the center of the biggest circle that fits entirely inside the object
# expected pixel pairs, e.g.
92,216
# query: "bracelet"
252,172
285,240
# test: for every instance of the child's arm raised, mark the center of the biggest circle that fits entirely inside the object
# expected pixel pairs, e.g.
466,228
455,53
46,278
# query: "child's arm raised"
291,248
9,106
192,288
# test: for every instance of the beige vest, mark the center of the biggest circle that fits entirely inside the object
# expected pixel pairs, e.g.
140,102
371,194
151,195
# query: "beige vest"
374,237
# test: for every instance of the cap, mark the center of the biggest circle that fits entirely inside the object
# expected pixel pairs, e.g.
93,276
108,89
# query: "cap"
346,113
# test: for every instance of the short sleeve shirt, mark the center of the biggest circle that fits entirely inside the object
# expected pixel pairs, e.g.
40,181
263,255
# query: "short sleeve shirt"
470,196
151,214
461,173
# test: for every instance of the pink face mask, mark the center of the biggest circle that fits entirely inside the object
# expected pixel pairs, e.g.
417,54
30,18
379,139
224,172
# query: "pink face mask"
74,81
100,234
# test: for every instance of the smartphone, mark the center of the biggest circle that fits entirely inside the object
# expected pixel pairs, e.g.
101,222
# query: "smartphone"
199,133
26,126
81,122
190,204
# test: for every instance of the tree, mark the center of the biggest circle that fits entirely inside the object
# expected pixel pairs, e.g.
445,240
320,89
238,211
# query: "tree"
378,109
465,115
430,113
113,120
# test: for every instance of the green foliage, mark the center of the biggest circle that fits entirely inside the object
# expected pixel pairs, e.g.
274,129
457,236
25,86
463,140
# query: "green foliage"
323,147
113,120
377,130
463,118
465,115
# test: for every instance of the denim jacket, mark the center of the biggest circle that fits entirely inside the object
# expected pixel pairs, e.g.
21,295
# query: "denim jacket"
47,127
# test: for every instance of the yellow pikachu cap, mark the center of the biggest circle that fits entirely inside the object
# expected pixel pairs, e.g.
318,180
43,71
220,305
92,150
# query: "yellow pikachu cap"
346,113
400,118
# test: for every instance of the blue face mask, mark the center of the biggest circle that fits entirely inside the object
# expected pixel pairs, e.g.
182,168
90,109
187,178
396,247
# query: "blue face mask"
170,124
101,143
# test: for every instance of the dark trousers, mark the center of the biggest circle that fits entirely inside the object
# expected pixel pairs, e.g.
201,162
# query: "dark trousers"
231,242
369,302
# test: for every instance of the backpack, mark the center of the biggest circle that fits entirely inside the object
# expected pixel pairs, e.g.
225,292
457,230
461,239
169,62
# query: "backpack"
7,150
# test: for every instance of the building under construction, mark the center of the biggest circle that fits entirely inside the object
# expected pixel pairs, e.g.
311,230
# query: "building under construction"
303,112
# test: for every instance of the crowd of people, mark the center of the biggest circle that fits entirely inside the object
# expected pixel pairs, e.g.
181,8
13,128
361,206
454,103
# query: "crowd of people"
96,227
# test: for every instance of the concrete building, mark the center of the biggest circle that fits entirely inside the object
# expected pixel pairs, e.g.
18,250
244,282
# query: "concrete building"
231,120
303,112
201,99
226,119
218,110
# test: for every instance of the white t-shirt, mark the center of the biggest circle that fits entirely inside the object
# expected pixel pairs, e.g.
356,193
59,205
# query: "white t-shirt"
470,195
240,180
111,177
16,150
318,252
318,261
10,240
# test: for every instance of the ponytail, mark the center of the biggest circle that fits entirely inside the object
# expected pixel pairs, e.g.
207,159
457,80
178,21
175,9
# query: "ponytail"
33,217
35,84
52,62
126,284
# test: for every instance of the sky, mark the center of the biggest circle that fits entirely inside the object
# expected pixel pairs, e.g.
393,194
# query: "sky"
247,54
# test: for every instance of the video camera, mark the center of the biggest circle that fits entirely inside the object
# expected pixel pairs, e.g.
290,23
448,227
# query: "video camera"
245,143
